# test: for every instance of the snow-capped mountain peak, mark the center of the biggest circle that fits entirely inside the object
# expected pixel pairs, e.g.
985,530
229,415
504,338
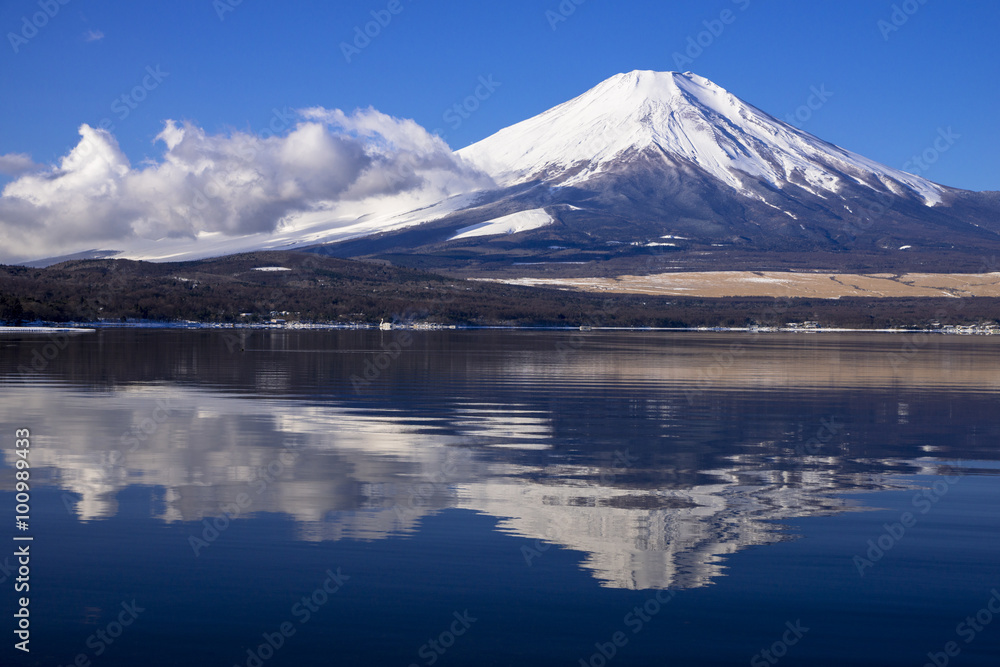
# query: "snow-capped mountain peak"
688,118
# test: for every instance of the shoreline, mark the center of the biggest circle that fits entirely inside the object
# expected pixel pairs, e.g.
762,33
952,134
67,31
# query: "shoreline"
93,327
42,329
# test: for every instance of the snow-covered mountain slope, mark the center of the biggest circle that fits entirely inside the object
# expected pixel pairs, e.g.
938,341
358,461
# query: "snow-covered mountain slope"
305,230
686,117
301,231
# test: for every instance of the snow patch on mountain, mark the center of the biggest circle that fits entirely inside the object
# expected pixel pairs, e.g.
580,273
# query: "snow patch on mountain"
509,224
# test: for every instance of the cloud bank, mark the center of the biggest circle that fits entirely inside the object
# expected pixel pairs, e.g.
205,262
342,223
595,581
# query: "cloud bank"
13,164
235,183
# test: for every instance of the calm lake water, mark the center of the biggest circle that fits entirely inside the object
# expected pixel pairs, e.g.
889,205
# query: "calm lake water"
503,498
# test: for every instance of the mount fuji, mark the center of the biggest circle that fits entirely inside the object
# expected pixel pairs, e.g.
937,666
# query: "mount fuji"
673,166
652,171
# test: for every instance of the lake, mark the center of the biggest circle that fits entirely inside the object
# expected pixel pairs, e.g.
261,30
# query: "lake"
502,498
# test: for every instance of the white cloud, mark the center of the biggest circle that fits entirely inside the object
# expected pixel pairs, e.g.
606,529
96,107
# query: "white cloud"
16,163
93,36
236,183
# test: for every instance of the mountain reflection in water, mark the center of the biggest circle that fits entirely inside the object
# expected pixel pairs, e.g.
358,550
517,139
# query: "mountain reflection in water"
655,455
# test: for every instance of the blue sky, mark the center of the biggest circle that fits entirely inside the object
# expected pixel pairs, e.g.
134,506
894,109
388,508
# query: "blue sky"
889,96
